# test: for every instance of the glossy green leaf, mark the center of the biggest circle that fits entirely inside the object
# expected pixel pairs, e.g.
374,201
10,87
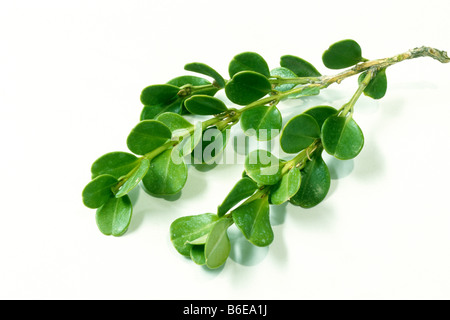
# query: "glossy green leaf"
115,216
243,189
377,87
198,254
253,220
116,164
195,81
206,70
299,133
342,54
217,247
167,174
147,136
286,188
315,183
211,146
263,167
190,228
159,94
246,87
174,121
152,112
299,66
205,105
321,113
189,142
136,175
286,74
264,122
248,61
342,137
98,191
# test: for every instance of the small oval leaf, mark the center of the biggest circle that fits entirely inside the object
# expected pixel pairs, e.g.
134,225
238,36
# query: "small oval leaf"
205,105
286,188
285,74
315,183
263,167
376,89
211,146
116,164
299,66
206,70
186,229
342,54
253,220
98,191
246,87
264,122
217,247
147,136
342,137
134,178
167,174
198,254
300,132
152,112
243,189
115,216
248,61
159,94
174,121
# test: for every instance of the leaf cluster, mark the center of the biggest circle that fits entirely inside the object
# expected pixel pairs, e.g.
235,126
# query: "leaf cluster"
163,141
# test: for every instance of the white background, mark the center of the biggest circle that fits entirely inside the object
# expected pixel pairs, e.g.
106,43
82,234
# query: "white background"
70,77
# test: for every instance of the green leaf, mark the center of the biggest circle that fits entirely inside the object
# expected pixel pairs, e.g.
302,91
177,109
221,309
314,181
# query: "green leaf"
167,174
321,113
342,54
243,189
198,254
342,137
286,188
285,74
195,81
264,122
152,112
115,216
159,94
174,121
206,70
205,105
246,87
299,133
134,178
253,220
211,146
147,136
315,183
307,90
263,167
248,61
217,247
190,228
98,191
377,87
299,66
189,142
116,164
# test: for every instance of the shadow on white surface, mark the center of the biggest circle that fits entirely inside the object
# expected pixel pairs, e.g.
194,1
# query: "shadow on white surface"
242,251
